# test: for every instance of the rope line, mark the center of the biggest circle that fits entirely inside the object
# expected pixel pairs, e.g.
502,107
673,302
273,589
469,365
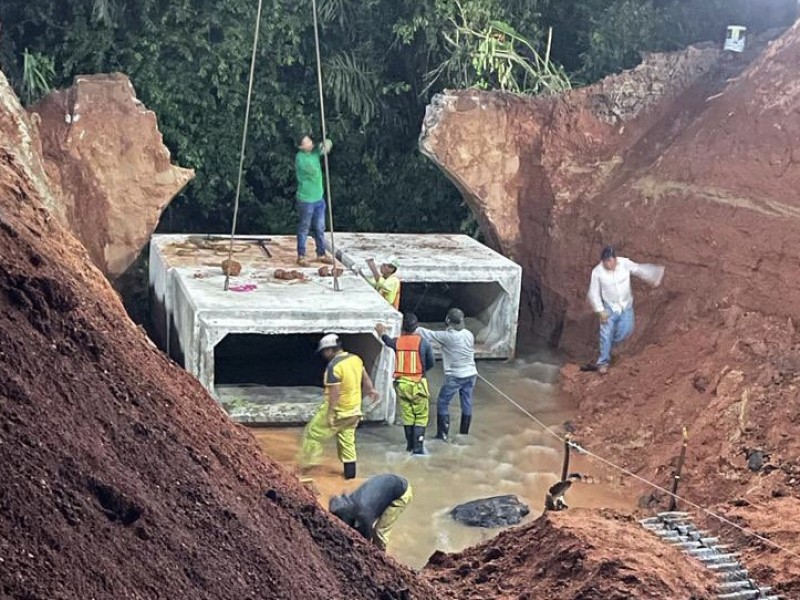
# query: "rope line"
325,152
244,143
579,448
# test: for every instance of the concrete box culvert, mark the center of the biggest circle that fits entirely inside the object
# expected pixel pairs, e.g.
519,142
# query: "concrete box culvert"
266,319
442,271
278,378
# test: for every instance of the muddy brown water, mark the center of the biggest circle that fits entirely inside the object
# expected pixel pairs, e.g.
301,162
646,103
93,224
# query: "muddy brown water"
505,453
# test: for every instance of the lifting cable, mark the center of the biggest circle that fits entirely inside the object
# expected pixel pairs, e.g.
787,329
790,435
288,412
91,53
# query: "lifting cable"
324,148
244,145
608,463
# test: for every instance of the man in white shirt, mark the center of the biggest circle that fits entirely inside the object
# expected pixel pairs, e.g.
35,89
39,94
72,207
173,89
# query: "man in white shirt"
458,360
612,300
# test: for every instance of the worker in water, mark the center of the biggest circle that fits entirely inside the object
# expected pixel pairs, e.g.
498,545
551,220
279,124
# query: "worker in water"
310,197
612,299
340,412
413,359
374,507
386,280
460,372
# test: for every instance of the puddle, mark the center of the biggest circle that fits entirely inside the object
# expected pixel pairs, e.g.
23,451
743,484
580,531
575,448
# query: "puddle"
505,453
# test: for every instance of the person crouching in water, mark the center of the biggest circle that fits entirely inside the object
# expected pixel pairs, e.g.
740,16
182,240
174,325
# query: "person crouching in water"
413,359
374,507
340,412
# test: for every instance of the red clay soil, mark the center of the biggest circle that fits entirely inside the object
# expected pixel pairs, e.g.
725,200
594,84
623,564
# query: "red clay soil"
733,381
777,519
689,161
121,478
574,555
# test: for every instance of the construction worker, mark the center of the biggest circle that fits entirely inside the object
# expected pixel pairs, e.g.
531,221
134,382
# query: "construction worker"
374,507
612,299
386,280
340,412
413,359
310,197
460,372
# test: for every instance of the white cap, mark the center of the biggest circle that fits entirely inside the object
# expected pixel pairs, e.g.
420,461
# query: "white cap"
392,262
328,341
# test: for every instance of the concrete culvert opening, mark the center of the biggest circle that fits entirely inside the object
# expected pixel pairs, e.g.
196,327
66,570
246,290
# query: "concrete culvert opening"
279,378
484,304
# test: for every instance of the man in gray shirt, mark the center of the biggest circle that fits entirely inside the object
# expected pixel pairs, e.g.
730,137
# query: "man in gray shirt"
460,373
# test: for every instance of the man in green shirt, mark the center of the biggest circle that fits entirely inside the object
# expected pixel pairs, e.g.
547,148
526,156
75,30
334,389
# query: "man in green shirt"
310,197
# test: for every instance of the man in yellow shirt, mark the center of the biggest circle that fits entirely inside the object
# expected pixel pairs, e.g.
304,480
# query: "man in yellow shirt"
386,280
340,412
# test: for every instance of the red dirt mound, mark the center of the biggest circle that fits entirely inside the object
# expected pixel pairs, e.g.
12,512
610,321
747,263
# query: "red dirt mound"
733,381
566,556
121,478
778,520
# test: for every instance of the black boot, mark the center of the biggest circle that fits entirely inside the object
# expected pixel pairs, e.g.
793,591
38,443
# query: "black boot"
442,427
419,439
409,429
350,470
466,420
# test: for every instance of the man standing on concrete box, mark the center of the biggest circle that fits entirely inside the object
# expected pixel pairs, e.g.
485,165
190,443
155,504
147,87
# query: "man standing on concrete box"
460,372
310,197
340,412
612,299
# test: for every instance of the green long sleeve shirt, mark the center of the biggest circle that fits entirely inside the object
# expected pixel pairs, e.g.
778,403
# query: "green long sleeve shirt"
309,173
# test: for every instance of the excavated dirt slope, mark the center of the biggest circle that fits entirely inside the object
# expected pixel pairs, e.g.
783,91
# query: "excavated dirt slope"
122,479
566,557
690,160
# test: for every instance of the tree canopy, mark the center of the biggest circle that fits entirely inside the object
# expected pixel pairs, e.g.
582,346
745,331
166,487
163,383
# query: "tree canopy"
189,61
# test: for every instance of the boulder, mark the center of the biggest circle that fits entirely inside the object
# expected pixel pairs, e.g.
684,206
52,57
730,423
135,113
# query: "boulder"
112,173
498,511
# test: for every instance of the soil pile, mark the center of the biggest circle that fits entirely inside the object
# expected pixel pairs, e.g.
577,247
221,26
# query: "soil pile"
779,521
565,556
121,477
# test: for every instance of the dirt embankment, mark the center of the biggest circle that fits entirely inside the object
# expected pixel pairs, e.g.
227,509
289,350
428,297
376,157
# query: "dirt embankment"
583,554
121,477
690,161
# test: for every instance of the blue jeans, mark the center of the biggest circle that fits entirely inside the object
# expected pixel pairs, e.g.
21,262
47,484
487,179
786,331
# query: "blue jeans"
618,327
464,386
311,218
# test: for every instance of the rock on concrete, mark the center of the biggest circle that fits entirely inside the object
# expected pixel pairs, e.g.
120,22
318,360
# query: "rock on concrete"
498,511
687,161
102,147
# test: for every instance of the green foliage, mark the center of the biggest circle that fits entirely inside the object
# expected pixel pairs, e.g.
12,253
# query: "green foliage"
620,33
189,60
494,55
37,74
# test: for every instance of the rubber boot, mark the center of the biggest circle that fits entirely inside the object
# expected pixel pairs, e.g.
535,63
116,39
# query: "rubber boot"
349,470
442,427
419,439
409,429
466,420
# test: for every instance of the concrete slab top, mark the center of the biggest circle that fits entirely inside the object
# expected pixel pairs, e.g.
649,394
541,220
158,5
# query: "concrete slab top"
196,261
426,257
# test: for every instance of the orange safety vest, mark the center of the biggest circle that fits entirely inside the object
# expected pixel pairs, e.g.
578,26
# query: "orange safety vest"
408,363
